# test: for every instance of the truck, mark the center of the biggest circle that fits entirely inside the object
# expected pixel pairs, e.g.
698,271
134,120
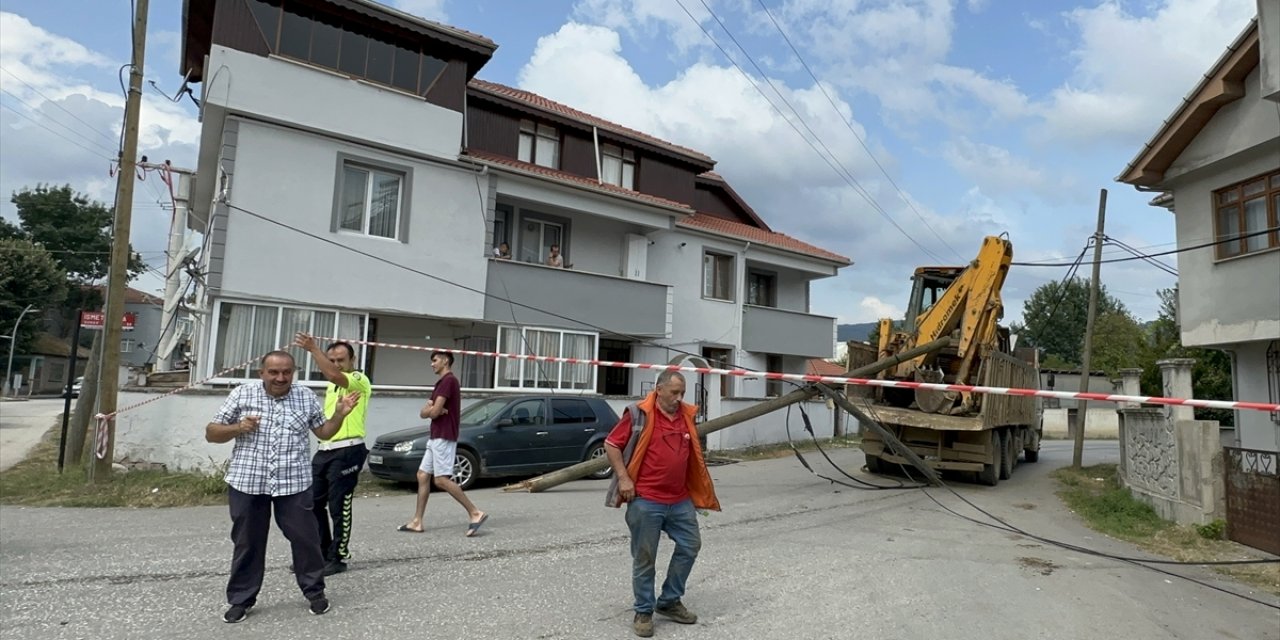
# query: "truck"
950,430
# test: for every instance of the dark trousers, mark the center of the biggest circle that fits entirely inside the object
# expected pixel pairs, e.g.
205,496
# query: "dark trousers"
334,475
250,523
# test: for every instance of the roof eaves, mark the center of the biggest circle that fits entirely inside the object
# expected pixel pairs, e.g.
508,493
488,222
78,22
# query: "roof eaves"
510,167
825,256
712,177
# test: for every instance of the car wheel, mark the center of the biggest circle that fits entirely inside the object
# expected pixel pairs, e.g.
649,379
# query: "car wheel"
597,451
466,469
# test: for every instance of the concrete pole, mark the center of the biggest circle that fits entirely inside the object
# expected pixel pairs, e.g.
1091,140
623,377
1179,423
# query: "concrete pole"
13,342
118,274
173,271
1077,455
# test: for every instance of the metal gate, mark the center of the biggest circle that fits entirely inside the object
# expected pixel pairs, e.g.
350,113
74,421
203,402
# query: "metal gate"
1253,497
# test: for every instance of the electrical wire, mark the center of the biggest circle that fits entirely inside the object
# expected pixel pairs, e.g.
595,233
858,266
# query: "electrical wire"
1235,238
96,154
849,125
831,161
92,128
1152,261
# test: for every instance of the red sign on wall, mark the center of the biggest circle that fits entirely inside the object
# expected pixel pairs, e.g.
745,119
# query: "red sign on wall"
97,320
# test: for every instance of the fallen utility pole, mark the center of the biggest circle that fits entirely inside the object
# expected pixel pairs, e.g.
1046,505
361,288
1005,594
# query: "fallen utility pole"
118,273
888,437
1077,454
559,477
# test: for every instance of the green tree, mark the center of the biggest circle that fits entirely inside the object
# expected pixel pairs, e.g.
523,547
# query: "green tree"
1118,343
28,275
77,232
1056,315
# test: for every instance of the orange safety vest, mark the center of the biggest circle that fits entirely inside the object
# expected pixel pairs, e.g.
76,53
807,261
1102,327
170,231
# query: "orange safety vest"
698,478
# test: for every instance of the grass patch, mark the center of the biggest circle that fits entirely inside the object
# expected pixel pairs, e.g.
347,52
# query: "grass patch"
782,449
36,482
1096,495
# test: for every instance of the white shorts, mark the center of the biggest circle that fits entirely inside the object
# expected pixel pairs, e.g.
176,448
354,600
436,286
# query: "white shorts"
439,457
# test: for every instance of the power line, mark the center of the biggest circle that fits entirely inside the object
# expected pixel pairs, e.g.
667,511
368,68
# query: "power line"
1152,261
55,103
844,175
849,126
1145,256
97,154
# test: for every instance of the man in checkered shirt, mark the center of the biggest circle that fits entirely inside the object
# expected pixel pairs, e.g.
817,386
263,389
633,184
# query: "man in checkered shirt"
271,469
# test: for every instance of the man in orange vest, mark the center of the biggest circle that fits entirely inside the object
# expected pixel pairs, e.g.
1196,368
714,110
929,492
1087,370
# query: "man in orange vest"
659,471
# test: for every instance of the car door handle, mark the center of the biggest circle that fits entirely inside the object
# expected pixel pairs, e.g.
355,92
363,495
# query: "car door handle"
589,430
541,433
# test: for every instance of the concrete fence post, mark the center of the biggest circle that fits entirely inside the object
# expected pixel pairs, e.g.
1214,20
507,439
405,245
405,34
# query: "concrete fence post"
1130,385
1176,374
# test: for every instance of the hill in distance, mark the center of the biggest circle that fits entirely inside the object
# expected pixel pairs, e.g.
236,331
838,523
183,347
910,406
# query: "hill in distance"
856,331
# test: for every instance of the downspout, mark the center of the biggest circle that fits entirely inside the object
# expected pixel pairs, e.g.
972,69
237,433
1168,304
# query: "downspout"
595,139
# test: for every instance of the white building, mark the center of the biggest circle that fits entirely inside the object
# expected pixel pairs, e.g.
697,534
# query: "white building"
1216,162
355,181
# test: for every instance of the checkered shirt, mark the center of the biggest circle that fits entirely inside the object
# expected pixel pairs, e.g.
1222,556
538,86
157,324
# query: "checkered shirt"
274,459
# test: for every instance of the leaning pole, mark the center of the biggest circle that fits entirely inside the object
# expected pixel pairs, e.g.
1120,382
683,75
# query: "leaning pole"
561,476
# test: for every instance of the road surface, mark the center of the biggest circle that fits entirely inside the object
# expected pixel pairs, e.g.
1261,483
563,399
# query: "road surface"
22,424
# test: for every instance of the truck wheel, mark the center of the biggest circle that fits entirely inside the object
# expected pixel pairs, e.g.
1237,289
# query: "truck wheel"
1007,454
874,463
990,474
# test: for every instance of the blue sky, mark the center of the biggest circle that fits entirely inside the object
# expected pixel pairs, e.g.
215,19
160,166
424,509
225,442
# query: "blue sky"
989,116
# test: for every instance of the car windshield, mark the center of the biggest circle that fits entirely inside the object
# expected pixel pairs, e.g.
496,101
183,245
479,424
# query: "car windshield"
481,412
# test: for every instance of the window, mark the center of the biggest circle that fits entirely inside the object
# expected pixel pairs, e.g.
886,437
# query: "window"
245,332
571,411
1246,216
1273,377
526,413
539,144
762,289
617,166
502,216
127,345
534,374
536,238
320,39
369,200
717,276
773,363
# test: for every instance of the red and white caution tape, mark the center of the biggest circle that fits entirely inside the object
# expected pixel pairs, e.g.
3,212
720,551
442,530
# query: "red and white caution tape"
111,416
870,382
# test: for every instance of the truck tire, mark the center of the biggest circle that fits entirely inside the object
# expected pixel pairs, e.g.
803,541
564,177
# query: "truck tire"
1007,454
874,464
990,474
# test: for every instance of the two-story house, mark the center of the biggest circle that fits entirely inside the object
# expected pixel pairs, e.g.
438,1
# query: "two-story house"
355,179
1216,165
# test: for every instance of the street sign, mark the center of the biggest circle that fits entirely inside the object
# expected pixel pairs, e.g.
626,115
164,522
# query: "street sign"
97,320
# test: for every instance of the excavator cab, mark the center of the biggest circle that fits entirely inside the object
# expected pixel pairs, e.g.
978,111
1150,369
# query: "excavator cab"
927,286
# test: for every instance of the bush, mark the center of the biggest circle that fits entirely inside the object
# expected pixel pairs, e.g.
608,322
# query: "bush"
1216,530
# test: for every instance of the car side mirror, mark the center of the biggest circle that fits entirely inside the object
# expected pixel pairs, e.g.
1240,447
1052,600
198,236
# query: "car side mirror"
505,422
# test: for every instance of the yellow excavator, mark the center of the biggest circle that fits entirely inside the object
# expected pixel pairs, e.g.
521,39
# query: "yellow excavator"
958,431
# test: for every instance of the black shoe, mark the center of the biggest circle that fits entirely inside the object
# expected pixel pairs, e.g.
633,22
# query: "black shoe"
319,606
335,566
236,613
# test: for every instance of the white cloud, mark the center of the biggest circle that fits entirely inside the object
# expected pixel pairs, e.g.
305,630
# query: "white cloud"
1131,71
650,17
429,9
876,308
994,169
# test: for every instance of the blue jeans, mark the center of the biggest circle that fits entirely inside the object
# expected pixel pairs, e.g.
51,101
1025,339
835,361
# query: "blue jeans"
647,521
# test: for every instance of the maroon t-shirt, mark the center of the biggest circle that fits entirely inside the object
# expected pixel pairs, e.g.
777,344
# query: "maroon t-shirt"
445,427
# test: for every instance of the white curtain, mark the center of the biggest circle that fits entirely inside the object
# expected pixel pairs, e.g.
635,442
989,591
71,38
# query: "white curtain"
543,375
578,376
292,322
265,320
235,338
509,369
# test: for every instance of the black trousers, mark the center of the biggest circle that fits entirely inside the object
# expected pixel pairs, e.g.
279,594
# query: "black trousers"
334,475
250,524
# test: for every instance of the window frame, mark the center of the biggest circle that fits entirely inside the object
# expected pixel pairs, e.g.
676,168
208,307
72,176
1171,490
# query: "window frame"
727,280
1233,196
772,293
626,158
305,363
539,370
369,165
532,131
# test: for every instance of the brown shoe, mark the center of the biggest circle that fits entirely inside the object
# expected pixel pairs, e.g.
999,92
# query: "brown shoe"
679,613
643,625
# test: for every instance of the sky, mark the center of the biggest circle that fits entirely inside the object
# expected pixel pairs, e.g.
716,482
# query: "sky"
898,133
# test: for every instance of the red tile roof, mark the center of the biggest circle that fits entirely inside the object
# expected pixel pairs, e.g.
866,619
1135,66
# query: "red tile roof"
538,102
708,222
575,180
820,367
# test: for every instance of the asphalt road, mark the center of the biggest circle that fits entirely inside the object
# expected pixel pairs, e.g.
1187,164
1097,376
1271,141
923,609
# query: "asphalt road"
790,556
22,424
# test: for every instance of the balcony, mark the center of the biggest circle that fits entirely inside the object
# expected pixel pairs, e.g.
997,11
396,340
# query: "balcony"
593,301
791,333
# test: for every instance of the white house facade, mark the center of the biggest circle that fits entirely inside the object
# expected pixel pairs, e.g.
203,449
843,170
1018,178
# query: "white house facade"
1218,160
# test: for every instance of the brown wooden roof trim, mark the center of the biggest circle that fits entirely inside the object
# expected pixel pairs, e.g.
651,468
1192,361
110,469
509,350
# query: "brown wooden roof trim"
1224,83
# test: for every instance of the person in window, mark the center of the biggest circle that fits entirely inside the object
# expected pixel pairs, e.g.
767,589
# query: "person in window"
555,259
502,252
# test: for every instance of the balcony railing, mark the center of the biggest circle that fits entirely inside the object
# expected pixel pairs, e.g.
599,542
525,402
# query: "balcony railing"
792,333
573,299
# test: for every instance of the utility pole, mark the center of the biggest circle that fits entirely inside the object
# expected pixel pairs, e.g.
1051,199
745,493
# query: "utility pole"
180,193
117,276
1077,456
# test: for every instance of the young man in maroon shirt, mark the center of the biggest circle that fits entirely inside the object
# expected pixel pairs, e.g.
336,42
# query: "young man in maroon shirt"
660,473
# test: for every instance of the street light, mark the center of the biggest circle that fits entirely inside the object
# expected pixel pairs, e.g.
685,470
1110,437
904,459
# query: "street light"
13,341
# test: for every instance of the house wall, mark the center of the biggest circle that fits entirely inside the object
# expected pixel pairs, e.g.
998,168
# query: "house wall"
322,100
1238,126
1254,429
145,334
291,177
